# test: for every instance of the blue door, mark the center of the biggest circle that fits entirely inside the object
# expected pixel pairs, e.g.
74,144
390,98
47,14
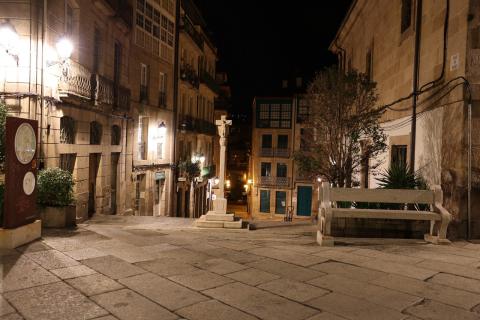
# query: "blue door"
304,201
265,201
280,202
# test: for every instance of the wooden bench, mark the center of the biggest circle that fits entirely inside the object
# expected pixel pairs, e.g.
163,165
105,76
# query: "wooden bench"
438,216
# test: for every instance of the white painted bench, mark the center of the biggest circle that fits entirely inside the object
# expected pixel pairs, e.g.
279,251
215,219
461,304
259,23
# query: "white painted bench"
438,216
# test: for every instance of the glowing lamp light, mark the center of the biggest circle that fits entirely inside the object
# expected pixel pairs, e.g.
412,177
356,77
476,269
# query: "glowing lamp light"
8,35
217,181
250,181
162,129
319,180
64,48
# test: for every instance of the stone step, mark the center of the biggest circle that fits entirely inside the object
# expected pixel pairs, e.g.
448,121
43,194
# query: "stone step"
213,216
202,222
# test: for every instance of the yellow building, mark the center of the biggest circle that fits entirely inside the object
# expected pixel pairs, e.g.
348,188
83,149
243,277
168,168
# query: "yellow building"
277,186
195,115
380,38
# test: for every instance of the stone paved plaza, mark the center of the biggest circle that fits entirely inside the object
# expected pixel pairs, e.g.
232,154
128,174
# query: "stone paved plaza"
147,268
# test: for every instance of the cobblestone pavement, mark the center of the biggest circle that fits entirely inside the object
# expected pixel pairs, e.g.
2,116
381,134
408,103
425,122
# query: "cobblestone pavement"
161,268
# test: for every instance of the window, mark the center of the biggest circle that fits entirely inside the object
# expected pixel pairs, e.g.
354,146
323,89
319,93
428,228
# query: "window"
399,155
97,43
281,170
67,162
68,20
95,133
303,111
406,21
265,201
274,115
369,64
142,137
282,141
266,169
160,150
162,90
67,130
144,77
116,135
266,141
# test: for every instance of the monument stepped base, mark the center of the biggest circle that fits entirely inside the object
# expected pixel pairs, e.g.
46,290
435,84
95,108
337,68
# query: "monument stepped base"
220,221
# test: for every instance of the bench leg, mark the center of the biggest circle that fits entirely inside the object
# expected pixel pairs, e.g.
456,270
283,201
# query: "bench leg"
324,237
438,231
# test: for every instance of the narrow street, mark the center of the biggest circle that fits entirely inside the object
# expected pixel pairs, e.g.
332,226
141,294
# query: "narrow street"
162,268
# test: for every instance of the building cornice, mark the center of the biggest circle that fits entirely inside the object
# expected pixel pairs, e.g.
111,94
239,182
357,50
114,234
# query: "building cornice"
333,45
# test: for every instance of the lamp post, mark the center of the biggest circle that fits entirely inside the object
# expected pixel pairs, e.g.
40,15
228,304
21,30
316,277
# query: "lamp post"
9,39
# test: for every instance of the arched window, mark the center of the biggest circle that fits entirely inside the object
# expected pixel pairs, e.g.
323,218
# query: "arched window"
95,133
116,135
67,130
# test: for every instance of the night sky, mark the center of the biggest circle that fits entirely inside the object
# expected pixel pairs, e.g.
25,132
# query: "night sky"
261,42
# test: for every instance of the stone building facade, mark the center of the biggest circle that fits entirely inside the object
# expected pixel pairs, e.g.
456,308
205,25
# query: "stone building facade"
278,188
195,115
379,38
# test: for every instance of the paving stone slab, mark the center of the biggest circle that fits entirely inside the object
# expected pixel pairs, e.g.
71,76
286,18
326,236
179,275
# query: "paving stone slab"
411,271
348,271
164,292
326,316
200,280
113,267
20,272
12,316
85,253
289,256
458,282
183,255
52,259
354,308
106,318
286,270
432,291
73,272
465,271
5,307
54,301
34,247
127,305
260,303
293,290
166,267
252,276
220,266
94,284
212,310
386,297
233,255
441,256
439,311
234,245
397,258
341,256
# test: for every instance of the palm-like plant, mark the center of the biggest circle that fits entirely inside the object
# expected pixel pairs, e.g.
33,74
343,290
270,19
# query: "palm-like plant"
401,177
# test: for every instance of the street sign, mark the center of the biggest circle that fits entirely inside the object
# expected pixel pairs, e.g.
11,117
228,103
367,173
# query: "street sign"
21,171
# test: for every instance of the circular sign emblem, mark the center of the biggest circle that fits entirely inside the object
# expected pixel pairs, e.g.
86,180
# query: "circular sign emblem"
28,183
25,143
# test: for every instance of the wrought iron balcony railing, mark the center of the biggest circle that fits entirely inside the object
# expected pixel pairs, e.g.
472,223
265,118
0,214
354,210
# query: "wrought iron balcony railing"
122,99
209,81
189,74
277,153
190,29
75,82
270,181
104,91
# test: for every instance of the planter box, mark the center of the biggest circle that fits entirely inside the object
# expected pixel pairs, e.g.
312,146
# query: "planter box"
13,238
58,217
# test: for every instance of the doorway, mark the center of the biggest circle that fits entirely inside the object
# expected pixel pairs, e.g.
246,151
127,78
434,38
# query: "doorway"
113,182
304,204
140,186
93,165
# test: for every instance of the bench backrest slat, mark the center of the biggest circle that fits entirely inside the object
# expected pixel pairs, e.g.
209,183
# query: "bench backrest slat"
382,195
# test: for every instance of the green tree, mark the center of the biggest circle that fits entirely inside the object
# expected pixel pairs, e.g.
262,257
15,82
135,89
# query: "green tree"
343,129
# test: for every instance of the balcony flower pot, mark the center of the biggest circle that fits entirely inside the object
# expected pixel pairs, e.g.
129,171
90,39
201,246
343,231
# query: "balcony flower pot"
55,198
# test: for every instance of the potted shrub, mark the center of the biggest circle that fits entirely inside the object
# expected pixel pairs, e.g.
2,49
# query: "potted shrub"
55,198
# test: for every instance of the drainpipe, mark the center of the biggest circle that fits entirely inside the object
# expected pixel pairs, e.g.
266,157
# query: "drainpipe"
469,174
173,178
416,71
42,88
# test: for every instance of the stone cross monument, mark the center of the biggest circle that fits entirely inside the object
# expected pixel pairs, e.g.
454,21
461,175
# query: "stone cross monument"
218,217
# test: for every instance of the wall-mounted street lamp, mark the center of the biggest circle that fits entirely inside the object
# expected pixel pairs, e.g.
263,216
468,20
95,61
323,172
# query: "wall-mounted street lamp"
9,39
64,48
199,157
162,129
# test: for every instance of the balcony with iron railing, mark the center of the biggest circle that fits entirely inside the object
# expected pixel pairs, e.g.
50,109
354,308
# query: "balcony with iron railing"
270,181
190,29
207,79
186,123
122,99
75,83
275,152
189,75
